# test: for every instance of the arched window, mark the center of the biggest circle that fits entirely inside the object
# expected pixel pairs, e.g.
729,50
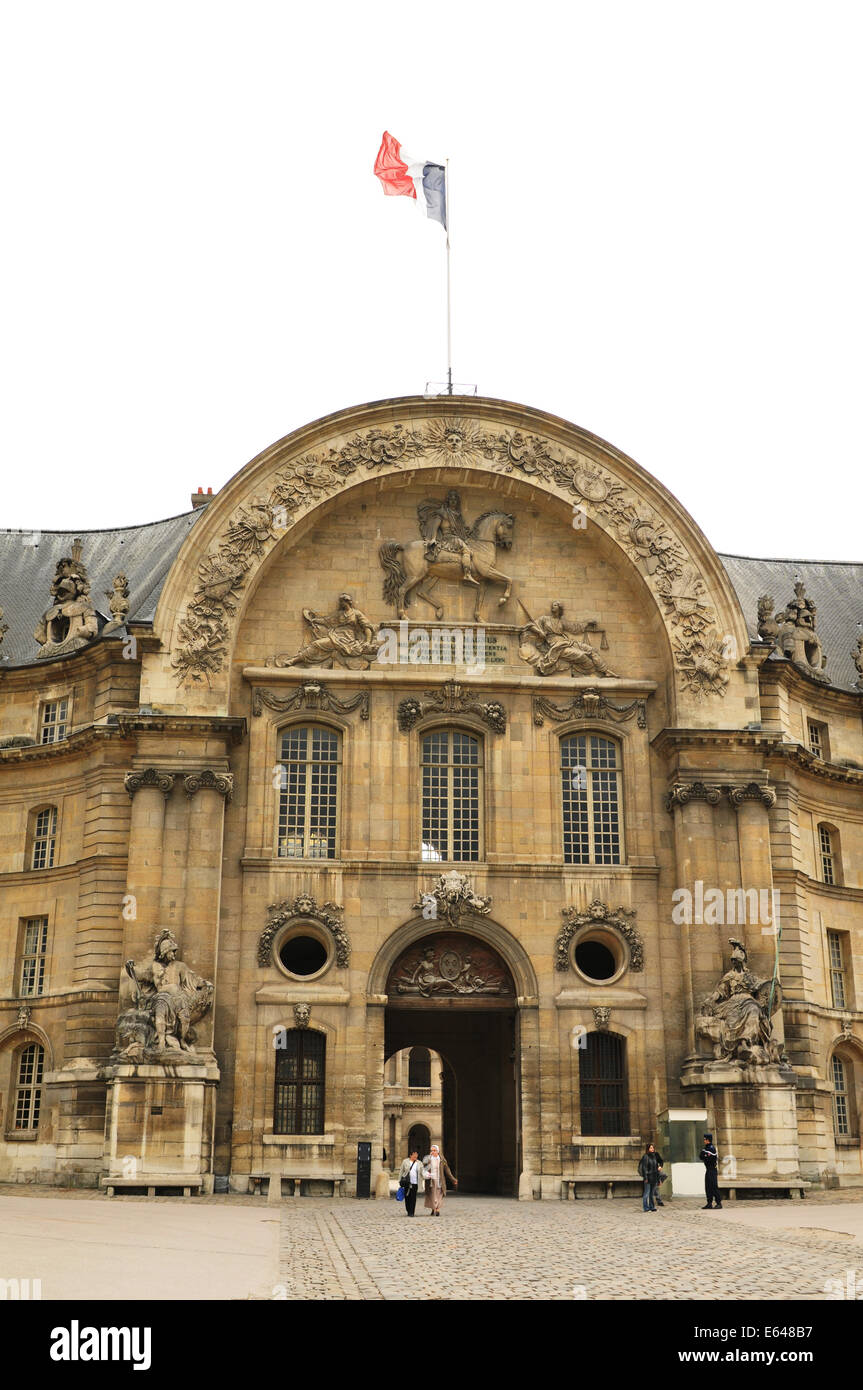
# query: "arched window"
828,852
28,1090
419,1067
419,1138
844,1099
300,1073
309,793
602,1068
590,777
452,796
43,837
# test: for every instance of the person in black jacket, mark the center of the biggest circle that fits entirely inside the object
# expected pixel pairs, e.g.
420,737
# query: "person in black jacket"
648,1169
710,1159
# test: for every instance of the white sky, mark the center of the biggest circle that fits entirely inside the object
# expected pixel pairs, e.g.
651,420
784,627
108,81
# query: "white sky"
656,219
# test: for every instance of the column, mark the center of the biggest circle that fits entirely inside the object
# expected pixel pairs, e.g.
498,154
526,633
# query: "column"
208,792
695,861
149,790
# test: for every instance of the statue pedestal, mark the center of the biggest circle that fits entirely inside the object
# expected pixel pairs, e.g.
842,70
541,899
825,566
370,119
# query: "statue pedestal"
160,1119
753,1117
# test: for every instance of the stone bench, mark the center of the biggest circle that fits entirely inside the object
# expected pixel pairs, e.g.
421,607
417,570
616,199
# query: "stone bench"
275,1181
607,1180
793,1187
187,1181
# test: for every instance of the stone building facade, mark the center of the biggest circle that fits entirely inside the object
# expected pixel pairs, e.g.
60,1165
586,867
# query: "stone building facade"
441,725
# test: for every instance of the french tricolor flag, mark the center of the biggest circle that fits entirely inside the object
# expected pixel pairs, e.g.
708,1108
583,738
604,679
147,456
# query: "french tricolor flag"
412,178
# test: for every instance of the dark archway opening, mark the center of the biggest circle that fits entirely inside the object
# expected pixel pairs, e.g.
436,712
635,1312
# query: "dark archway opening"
454,995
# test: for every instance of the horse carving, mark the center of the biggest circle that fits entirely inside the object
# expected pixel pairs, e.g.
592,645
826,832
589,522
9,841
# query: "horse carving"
449,550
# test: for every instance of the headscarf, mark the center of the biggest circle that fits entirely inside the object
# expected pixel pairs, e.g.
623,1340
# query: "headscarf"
434,1164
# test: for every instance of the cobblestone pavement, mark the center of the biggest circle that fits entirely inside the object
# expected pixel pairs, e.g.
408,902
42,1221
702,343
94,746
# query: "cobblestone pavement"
493,1249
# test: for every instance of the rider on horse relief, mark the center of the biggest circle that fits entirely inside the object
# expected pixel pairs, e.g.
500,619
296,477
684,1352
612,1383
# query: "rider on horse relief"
443,527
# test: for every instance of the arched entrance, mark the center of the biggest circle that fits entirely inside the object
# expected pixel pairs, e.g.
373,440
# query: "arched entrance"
453,993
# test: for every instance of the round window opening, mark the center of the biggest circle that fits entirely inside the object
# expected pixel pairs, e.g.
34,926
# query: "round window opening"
599,957
303,955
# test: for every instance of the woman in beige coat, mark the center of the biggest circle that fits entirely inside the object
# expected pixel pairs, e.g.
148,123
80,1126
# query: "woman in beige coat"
438,1171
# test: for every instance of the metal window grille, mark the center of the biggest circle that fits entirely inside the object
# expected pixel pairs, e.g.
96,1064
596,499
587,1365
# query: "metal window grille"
451,796
840,1097
300,1074
602,1066
590,776
45,838
837,969
33,955
828,869
28,1093
309,794
54,714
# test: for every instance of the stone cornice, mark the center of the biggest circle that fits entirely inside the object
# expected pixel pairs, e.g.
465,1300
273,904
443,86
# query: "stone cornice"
102,651
808,762
781,671
679,740
681,793
492,678
232,726
77,742
814,885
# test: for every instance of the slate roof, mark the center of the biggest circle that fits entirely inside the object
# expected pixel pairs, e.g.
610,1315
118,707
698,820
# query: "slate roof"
28,560
145,555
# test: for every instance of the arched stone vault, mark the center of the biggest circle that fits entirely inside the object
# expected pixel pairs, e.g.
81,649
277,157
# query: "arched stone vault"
216,571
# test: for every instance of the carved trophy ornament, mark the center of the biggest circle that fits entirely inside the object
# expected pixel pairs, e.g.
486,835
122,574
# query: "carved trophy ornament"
164,1000
449,966
451,550
340,638
552,643
71,621
735,1018
118,602
856,657
4,628
792,632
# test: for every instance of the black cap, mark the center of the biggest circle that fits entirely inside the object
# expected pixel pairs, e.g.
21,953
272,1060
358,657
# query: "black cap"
708,1136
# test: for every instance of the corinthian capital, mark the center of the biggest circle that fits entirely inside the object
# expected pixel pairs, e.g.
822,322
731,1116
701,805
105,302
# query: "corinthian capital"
753,791
150,777
684,792
221,782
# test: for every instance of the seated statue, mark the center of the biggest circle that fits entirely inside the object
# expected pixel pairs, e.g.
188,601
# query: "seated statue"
552,643
71,621
343,635
736,1016
164,1000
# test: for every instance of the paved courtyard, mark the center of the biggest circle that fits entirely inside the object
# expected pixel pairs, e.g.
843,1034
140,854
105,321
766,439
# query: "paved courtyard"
84,1246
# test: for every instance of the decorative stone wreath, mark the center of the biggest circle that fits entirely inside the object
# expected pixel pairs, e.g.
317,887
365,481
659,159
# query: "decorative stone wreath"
599,914
304,907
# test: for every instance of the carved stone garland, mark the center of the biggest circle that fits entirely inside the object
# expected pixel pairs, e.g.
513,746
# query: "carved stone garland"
203,633
305,906
599,914
452,698
312,695
589,704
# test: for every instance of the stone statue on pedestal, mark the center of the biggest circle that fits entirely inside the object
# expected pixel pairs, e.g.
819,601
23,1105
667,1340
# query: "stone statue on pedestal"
736,1016
165,999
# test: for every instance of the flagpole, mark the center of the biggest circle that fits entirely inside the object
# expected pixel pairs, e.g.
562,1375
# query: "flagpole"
448,300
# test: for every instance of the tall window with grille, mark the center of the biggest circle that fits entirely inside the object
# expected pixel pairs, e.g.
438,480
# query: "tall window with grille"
590,777
602,1068
44,838
309,793
28,1092
838,991
451,796
841,1117
34,944
52,725
419,1069
827,847
300,1068
817,738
